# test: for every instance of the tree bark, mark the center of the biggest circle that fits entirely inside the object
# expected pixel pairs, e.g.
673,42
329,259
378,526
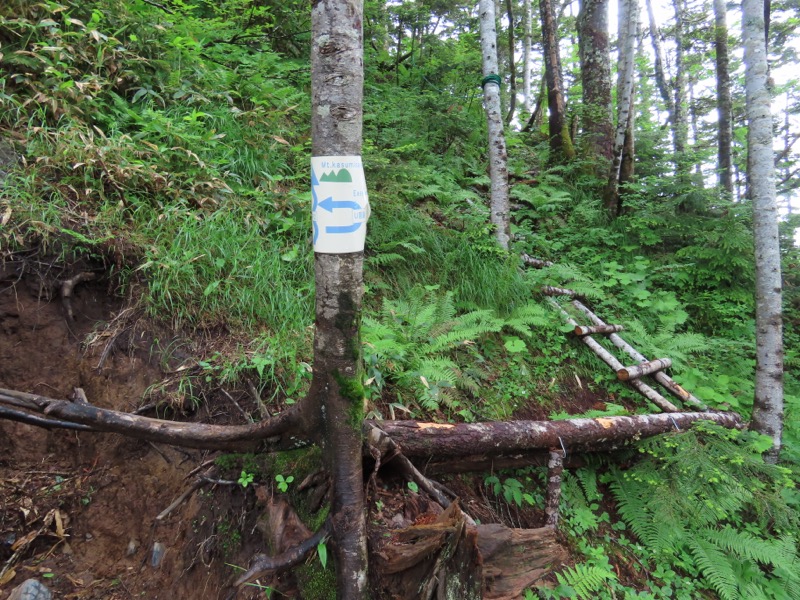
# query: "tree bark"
596,79
512,65
768,401
628,28
560,143
498,157
527,26
337,78
724,103
680,123
658,63
441,440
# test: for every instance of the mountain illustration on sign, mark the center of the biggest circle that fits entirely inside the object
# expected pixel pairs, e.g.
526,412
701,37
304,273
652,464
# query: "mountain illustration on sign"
343,176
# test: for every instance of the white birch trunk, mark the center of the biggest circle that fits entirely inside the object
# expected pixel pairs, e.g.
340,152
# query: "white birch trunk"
527,25
768,401
628,30
498,157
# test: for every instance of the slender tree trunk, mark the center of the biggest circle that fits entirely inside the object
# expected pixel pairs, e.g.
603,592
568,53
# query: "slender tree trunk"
724,103
498,158
596,79
626,167
337,78
560,142
680,130
628,31
526,53
768,401
658,63
512,65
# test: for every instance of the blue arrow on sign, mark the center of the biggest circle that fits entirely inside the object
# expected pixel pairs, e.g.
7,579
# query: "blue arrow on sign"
329,204
314,184
343,228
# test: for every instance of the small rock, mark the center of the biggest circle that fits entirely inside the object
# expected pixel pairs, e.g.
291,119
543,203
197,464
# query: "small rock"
133,546
89,536
158,554
30,589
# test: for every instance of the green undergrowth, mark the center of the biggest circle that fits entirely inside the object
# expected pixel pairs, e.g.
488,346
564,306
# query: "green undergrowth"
698,513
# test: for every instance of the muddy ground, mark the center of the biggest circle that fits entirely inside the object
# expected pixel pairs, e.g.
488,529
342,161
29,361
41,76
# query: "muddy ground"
78,509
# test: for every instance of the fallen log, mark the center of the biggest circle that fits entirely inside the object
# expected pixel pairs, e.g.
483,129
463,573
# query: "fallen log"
642,369
418,439
670,384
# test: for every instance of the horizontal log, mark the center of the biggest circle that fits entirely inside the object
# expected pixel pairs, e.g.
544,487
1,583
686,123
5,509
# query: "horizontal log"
417,439
642,369
549,290
670,384
581,330
536,262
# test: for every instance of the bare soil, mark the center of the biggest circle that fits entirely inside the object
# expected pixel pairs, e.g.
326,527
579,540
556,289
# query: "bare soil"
77,509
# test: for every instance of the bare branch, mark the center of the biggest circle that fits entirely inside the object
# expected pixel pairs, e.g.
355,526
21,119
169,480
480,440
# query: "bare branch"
264,564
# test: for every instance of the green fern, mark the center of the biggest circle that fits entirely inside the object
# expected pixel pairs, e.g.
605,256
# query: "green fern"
708,493
586,580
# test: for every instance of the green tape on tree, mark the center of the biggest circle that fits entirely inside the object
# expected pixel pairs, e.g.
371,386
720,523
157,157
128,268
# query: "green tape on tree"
491,78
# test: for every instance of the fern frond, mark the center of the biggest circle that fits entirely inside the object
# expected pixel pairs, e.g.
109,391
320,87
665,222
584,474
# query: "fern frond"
586,580
716,568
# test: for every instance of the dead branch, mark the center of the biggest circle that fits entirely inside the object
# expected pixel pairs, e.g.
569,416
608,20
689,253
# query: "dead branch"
20,416
263,564
387,448
536,262
281,432
417,439
198,483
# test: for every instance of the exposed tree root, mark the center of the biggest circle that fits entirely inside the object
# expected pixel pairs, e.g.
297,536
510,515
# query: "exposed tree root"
263,564
68,286
281,432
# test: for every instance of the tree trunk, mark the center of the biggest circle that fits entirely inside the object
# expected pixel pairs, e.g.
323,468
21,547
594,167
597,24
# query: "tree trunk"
768,401
498,157
512,66
724,103
596,79
680,129
526,53
336,88
628,28
658,63
560,142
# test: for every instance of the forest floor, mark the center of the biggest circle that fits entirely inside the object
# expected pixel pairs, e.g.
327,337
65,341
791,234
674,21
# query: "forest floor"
78,510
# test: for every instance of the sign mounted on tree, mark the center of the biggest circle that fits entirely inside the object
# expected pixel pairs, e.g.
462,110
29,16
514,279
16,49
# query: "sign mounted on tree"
340,205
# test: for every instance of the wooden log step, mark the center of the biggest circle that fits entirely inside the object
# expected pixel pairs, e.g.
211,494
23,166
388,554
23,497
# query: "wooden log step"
611,360
536,262
581,330
549,290
642,369
661,377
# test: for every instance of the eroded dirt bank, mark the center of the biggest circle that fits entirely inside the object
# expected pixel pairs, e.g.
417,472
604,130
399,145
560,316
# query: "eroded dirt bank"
78,509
